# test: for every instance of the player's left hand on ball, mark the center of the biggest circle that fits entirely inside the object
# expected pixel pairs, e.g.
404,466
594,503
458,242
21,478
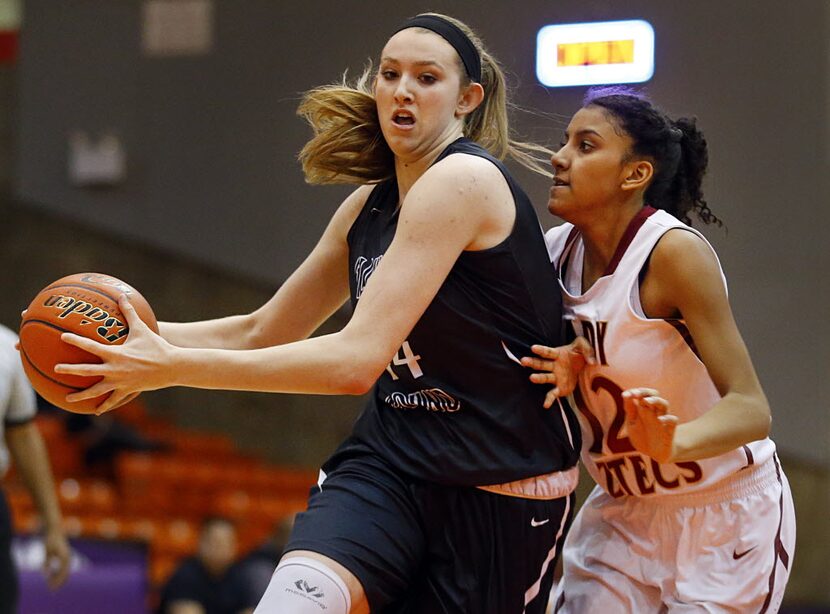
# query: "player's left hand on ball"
649,425
127,369
559,367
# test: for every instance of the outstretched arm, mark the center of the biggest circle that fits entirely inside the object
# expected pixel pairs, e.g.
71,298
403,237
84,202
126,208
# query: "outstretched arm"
433,229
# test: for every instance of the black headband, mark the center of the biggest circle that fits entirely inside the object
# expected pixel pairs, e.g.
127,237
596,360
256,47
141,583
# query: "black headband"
454,36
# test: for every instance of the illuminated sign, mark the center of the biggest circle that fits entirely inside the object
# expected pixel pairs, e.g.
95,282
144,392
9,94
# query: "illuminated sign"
595,53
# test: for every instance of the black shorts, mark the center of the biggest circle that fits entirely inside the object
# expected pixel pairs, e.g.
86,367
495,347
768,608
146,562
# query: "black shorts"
421,548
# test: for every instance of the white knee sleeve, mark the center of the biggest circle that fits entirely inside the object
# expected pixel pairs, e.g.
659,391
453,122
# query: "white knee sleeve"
304,586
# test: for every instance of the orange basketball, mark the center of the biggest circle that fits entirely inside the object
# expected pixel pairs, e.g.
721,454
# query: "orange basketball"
85,304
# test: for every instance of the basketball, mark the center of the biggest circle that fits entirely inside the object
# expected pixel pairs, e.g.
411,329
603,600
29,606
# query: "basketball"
85,304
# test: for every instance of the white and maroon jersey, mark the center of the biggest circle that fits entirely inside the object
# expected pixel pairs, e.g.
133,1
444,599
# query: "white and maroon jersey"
635,351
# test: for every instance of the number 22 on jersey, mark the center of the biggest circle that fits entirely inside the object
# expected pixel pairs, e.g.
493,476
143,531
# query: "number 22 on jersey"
626,471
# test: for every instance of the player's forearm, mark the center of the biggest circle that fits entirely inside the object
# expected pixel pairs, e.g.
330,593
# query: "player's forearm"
734,421
291,319
30,457
232,332
330,364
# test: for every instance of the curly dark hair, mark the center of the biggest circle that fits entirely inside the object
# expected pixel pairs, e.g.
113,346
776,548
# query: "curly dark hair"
676,148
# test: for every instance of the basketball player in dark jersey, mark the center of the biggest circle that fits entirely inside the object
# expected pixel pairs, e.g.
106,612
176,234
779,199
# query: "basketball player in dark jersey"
454,493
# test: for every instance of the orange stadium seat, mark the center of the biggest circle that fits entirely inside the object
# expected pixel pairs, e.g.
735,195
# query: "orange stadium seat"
64,452
87,496
177,537
204,445
161,498
140,528
234,504
51,428
134,413
25,522
20,501
161,567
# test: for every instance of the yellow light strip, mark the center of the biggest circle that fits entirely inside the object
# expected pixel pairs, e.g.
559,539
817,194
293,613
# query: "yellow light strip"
595,52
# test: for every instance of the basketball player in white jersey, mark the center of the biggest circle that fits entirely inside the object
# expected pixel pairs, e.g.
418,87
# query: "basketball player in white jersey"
692,512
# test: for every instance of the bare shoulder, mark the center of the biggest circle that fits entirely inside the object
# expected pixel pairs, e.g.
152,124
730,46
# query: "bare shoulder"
354,202
683,272
350,208
467,175
682,256
464,180
467,193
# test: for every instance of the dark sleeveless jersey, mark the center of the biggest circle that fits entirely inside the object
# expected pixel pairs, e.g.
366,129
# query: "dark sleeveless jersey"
454,406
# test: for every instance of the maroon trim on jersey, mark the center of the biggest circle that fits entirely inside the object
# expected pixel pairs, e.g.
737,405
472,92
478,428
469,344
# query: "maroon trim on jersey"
781,553
565,256
571,236
628,236
593,422
559,603
681,328
750,460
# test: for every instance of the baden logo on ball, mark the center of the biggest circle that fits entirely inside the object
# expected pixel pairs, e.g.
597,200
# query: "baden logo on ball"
85,304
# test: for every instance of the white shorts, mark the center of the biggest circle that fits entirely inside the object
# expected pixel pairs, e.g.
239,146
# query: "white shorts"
728,548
